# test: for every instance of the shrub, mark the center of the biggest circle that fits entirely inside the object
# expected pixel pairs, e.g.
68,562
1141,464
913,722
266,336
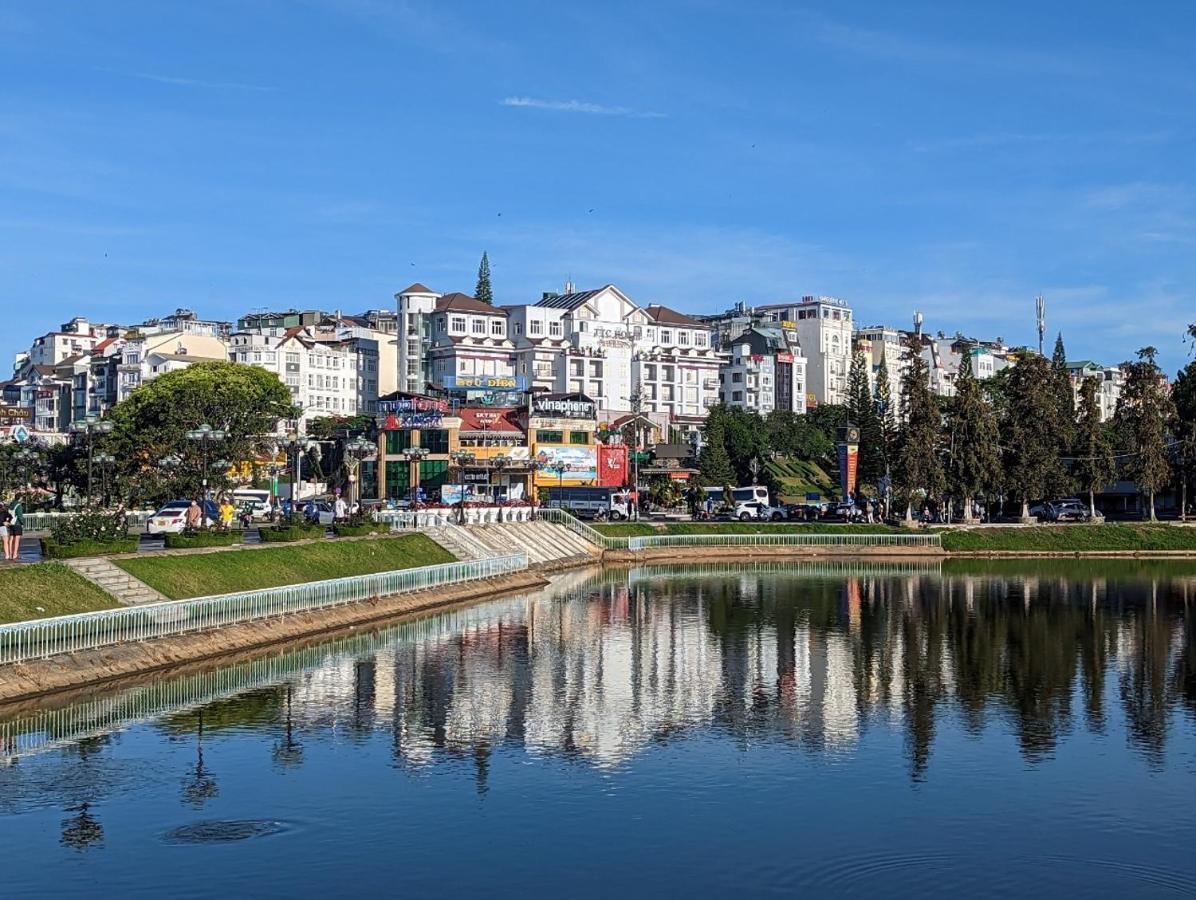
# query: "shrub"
52,549
288,533
356,529
92,525
202,537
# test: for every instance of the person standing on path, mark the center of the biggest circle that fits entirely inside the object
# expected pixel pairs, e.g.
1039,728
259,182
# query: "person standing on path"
340,509
16,529
192,517
227,511
4,520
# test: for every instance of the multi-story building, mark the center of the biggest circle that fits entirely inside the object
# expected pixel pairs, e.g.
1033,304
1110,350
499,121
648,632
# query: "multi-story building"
327,373
764,372
880,343
823,326
146,356
278,321
74,338
1109,386
469,342
374,330
602,344
413,334
185,321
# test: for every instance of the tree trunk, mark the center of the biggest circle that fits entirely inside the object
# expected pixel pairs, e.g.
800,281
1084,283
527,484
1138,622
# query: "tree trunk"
968,518
1183,496
1091,503
1152,515
1025,509
909,512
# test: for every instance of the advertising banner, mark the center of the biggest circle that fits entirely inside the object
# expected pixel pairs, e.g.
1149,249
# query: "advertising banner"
579,463
612,465
849,459
573,406
485,382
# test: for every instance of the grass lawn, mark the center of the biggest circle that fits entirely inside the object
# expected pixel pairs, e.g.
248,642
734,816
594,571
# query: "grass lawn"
638,529
47,589
1073,538
201,574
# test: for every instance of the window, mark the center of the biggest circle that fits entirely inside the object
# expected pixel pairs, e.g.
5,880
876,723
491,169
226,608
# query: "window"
457,324
579,437
550,437
575,366
666,336
397,442
737,376
433,475
737,396
700,339
440,330
496,327
519,328
478,326
554,328
683,338
535,326
434,439
583,327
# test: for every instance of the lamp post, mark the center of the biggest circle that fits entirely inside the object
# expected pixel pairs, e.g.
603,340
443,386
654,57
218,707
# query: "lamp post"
26,460
294,446
461,458
356,452
104,461
533,467
205,436
90,426
414,456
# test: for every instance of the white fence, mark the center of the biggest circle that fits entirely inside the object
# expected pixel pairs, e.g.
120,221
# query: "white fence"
43,520
41,638
837,539
400,519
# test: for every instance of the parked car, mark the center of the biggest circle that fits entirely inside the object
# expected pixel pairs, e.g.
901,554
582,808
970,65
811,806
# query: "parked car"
1069,510
770,513
319,512
171,518
257,501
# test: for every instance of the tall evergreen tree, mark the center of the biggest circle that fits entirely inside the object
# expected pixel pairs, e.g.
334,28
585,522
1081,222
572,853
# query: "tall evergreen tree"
974,465
917,467
886,408
861,411
1094,466
482,291
714,464
1063,389
1143,414
1031,433
1183,395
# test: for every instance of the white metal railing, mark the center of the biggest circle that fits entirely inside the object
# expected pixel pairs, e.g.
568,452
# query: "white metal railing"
401,519
40,638
40,521
784,540
560,517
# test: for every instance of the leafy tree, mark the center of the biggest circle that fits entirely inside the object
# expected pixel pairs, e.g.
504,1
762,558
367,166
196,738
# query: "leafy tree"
797,436
713,463
974,465
482,291
862,412
1095,465
244,402
1183,395
917,466
1143,414
1032,433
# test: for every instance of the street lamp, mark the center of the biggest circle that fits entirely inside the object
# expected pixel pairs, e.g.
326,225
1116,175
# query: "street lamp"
205,436
357,451
90,427
26,460
461,458
294,446
104,461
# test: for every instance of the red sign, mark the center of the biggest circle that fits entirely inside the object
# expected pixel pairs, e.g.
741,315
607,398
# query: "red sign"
612,465
679,476
785,357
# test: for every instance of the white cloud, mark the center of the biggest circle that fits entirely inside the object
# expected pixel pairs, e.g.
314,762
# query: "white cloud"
578,106
199,83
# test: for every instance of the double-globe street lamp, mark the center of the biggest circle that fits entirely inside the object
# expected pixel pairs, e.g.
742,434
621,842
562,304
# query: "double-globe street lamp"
414,457
357,451
461,458
205,435
295,446
89,427
105,461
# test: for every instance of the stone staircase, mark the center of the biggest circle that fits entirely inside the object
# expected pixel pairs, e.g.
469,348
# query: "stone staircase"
548,546
116,581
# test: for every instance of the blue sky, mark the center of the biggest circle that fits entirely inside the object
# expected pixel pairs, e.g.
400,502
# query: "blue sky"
954,158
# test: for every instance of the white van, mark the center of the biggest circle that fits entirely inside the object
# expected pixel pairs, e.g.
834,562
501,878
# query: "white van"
258,502
754,494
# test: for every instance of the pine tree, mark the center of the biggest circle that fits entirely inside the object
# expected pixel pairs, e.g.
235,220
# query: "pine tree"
1142,415
1095,465
861,412
974,465
482,291
1064,391
1183,395
1031,433
714,463
917,467
886,408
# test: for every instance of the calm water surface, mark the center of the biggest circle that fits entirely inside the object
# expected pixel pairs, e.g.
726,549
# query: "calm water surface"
998,730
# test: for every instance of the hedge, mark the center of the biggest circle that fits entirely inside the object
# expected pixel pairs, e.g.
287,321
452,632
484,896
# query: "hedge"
289,533
53,550
196,539
345,530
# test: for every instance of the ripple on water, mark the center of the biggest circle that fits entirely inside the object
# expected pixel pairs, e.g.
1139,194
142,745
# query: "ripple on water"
224,832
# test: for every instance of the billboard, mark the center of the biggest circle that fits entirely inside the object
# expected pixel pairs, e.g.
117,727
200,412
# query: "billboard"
578,463
411,412
485,382
612,465
571,406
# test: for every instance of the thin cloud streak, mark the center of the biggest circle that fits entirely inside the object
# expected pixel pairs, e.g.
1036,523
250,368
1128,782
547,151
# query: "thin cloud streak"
198,82
578,106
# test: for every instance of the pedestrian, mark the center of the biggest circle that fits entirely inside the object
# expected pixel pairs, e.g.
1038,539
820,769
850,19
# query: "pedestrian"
4,520
192,517
227,511
16,529
340,509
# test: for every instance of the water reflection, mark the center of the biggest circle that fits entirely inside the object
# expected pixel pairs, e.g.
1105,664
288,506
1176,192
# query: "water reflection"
602,666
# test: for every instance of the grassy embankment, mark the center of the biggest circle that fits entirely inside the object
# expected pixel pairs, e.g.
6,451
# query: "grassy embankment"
201,574
1109,538
47,589
1112,538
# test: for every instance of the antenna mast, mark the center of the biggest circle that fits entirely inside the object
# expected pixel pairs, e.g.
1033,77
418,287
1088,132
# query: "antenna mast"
1040,310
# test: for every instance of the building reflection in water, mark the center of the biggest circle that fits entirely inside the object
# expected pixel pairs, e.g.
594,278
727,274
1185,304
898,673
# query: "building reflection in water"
600,667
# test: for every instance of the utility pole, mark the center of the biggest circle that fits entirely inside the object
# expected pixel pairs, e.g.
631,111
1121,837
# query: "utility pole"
1040,313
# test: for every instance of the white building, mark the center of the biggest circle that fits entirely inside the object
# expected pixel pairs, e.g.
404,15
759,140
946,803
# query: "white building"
415,306
1110,381
603,344
881,343
469,341
146,356
824,331
327,373
75,338
764,372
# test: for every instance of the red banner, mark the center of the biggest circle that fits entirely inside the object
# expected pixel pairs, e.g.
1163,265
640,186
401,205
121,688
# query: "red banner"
849,461
612,465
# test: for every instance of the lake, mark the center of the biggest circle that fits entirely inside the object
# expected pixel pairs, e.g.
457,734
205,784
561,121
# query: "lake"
827,729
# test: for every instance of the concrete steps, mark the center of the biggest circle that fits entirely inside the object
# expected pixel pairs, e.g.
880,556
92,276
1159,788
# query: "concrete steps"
115,581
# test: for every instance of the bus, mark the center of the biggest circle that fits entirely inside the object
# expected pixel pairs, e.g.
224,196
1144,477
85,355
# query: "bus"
754,494
591,502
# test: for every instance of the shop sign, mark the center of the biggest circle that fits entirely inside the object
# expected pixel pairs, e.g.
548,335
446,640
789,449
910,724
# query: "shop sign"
486,383
575,407
785,357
